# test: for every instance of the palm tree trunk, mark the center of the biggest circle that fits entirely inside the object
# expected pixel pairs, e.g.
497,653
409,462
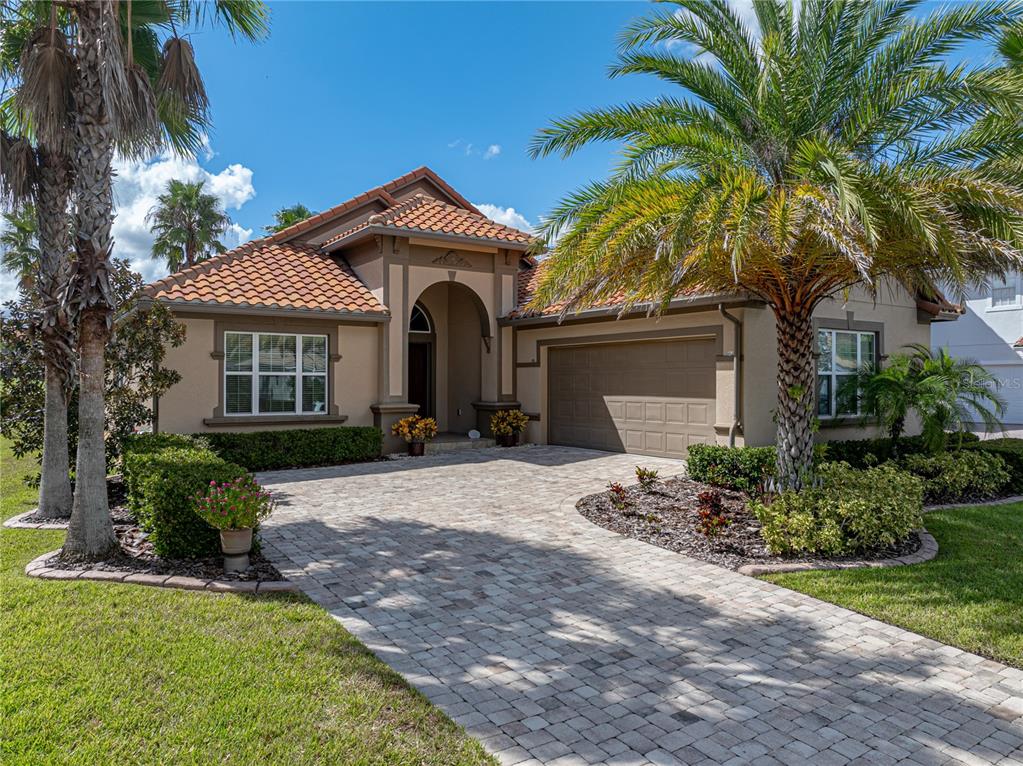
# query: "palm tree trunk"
90,534
795,396
55,484
55,329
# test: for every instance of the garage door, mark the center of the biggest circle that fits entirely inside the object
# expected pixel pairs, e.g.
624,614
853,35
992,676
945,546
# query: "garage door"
650,398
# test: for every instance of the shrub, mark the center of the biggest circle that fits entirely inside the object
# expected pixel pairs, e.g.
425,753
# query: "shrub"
711,511
297,448
415,428
742,468
504,422
864,453
647,478
1009,450
237,504
953,477
851,511
163,485
616,492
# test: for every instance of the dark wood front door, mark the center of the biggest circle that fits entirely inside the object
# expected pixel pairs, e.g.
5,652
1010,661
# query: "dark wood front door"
420,377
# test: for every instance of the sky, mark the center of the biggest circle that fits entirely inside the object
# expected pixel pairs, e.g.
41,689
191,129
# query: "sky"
342,97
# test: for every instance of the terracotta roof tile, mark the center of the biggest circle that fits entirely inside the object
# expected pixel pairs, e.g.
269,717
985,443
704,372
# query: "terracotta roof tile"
426,214
275,275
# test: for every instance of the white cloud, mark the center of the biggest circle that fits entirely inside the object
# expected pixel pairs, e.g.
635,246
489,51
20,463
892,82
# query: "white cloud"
470,149
138,184
509,216
492,151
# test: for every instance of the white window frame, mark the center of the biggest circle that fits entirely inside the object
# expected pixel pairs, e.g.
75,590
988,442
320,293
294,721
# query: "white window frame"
1011,283
299,374
835,374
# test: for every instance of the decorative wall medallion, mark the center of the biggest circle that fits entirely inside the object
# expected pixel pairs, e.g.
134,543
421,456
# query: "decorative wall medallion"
451,258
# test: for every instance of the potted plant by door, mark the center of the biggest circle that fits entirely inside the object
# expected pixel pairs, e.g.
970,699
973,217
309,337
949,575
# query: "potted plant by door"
416,431
235,508
506,425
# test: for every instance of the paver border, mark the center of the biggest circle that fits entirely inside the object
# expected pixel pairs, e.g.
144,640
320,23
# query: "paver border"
37,568
15,522
982,503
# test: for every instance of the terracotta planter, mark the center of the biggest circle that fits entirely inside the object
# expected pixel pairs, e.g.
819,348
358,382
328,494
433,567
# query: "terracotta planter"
236,542
416,449
506,440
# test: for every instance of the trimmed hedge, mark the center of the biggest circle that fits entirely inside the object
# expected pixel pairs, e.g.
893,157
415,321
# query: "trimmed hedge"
864,453
741,468
162,485
297,448
958,477
851,511
1009,450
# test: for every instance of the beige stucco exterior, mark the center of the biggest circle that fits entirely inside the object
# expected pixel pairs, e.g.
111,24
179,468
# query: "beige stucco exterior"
478,360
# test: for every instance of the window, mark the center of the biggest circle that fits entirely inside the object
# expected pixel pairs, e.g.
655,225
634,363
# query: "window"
268,373
1004,292
841,353
418,321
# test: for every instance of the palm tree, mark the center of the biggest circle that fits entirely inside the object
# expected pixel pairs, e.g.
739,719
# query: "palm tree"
20,245
288,216
946,394
128,82
188,224
837,149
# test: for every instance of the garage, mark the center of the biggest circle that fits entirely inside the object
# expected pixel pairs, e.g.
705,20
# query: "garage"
648,398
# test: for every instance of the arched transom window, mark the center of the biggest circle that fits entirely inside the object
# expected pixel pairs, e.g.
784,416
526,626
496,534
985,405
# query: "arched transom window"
418,321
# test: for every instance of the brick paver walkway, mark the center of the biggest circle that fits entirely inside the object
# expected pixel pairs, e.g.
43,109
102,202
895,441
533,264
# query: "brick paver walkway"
554,641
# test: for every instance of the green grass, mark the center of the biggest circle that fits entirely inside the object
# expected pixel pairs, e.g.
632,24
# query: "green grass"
102,673
970,595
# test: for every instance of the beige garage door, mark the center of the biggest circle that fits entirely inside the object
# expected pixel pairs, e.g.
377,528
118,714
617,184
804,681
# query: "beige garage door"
650,398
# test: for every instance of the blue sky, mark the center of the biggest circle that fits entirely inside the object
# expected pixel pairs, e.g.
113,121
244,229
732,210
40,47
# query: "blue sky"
344,96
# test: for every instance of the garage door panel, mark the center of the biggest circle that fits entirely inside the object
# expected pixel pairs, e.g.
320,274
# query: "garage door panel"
651,398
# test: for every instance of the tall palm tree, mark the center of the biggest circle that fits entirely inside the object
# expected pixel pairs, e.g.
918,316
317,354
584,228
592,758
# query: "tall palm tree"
19,244
288,216
128,82
188,224
837,148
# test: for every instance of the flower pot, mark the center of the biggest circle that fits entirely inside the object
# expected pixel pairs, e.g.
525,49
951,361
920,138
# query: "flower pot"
506,440
416,449
235,542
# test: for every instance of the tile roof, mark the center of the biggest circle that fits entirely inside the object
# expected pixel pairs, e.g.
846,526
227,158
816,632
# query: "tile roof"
381,193
425,214
286,275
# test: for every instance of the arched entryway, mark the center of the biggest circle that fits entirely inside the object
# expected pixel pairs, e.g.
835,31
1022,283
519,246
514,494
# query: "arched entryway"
448,336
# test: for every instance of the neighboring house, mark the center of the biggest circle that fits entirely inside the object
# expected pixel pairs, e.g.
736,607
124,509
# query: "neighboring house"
991,333
406,298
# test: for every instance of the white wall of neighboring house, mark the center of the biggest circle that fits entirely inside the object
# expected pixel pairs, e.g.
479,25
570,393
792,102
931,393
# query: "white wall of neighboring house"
986,333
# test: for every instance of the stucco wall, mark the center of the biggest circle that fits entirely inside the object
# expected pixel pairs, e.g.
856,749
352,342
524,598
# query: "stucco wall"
894,309
188,403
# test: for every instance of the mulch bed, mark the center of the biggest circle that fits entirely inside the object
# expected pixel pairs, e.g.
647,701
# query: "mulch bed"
667,517
137,556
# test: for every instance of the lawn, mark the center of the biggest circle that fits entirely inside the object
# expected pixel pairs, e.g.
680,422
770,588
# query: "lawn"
970,596
101,673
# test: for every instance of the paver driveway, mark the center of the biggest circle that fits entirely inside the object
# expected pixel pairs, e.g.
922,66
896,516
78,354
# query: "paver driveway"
555,641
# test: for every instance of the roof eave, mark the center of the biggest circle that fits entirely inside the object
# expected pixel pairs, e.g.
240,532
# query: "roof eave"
357,236
270,311
680,304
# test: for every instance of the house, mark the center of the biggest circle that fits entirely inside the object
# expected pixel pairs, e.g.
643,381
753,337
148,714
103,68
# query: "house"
991,333
407,299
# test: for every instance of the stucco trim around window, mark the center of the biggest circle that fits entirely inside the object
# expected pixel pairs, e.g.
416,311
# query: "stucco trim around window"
848,324
281,326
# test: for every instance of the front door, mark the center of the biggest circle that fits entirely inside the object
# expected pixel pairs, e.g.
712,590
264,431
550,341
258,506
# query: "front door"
420,377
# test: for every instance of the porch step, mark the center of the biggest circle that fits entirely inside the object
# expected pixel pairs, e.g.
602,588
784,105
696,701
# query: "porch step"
440,445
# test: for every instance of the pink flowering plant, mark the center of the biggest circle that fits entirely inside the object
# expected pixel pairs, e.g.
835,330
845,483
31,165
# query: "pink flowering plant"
237,504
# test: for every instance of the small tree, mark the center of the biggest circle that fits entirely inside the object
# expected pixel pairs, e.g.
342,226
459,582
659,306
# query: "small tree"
946,394
135,374
19,245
